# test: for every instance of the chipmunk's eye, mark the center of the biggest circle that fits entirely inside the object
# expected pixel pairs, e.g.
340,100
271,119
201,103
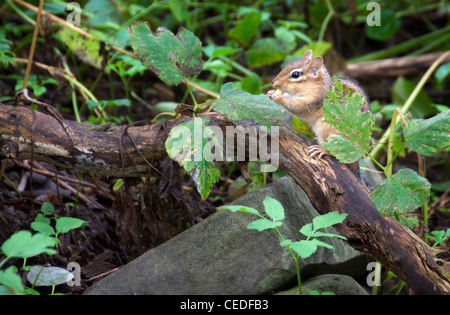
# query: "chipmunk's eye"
296,74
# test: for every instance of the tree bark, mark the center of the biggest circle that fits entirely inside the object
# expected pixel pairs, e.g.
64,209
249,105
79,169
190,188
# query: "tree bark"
392,67
331,186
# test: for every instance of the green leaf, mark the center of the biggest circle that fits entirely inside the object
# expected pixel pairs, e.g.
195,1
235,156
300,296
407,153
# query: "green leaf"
442,72
307,230
304,248
430,135
328,219
118,184
246,30
87,49
274,209
323,234
263,224
179,10
389,24
322,244
245,109
191,145
11,279
65,224
43,228
23,245
286,243
267,51
342,109
403,192
171,57
48,276
421,107
252,84
344,149
42,219
47,208
240,208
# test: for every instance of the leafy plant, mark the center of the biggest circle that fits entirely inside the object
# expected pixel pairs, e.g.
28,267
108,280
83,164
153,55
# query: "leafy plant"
174,59
404,191
298,249
24,244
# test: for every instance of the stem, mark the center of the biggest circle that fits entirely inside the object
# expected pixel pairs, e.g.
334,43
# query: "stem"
33,45
405,46
297,267
299,281
3,261
192,95
411,99
236,65
327,19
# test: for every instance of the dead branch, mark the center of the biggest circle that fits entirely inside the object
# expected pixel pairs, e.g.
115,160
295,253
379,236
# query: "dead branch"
392,67
329,184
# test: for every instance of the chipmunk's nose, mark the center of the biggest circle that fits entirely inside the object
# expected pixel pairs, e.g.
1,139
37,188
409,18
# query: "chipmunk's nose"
274,83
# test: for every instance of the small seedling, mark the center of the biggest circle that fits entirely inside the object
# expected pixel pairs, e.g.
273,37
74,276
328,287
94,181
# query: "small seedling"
298,249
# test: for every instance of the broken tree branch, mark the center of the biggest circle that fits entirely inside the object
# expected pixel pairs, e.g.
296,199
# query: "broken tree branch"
330,185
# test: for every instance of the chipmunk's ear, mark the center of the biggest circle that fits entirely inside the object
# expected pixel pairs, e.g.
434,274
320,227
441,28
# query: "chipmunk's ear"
308,54
315,65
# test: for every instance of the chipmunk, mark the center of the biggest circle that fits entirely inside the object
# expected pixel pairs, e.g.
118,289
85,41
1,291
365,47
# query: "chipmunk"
302,87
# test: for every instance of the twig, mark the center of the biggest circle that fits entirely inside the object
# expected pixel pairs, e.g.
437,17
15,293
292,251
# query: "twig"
51,110
33,44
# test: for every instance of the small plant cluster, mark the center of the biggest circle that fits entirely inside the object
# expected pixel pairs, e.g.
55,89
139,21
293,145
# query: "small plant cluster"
174,58
23,244
406,190
298,249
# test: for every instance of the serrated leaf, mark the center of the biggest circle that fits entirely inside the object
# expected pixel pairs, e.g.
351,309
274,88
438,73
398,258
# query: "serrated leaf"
344,149
324,234
307,230
263,224
304,248
342,109
430,135
328,219
42,228
245,109
240,208
47,208
403,192
323,244
286,243
274,209
65,224
11,279
171,57
190,144
23,245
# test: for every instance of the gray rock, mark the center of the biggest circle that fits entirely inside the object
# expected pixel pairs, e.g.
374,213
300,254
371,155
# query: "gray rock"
221,256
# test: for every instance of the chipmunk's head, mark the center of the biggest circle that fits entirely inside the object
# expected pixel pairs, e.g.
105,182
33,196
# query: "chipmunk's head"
305,78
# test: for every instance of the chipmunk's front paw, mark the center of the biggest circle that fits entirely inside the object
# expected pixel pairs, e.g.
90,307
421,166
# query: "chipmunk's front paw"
274,95
317,150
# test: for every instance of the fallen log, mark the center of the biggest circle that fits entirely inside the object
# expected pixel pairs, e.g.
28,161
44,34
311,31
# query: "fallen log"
135,151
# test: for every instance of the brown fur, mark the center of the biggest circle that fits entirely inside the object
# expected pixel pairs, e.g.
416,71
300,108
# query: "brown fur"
304,96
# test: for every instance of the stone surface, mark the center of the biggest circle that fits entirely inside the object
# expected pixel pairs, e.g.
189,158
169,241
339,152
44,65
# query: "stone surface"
221,256
337,284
